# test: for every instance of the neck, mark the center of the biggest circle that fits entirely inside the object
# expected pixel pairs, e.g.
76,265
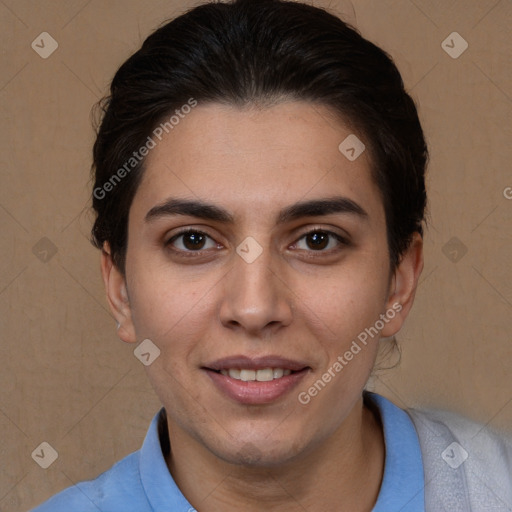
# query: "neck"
346,468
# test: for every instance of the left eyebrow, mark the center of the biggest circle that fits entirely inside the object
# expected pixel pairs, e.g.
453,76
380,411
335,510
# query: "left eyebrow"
319,207
208,211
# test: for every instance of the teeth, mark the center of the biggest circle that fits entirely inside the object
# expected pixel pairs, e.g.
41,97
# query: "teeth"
233,373
246,375
264,375
278,373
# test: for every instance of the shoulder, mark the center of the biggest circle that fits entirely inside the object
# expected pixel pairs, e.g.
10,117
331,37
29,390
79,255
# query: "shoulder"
467,464
435,427
118,488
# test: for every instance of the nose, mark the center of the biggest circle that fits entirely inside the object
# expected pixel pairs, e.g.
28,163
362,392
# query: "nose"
255,296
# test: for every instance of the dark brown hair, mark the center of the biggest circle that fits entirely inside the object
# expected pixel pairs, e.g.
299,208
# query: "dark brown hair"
259,52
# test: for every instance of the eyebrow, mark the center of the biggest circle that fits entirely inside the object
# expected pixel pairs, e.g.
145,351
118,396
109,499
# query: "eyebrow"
208,211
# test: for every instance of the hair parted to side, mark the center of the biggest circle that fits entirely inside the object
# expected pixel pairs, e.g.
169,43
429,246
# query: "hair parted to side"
249,53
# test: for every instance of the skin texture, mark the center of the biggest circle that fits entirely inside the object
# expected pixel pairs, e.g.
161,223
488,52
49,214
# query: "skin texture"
294,301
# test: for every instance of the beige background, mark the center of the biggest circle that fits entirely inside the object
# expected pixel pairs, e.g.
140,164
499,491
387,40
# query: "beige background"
65,377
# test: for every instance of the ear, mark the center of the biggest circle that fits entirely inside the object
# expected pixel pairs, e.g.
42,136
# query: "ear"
403,286
117,296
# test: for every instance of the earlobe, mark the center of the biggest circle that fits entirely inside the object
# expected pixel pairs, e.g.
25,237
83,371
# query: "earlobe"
403,286
117,296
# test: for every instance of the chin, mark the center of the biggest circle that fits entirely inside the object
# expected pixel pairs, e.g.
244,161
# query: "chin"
259,452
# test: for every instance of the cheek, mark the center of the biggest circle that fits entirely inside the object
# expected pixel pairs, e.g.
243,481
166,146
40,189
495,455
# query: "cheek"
337,322
174,314
168,306
344,303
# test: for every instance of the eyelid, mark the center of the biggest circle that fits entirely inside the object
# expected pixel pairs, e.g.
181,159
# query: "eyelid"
330,231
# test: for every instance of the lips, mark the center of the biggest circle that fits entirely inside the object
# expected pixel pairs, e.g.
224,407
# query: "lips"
253,381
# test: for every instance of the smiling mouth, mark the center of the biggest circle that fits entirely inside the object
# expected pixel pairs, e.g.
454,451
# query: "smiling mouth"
256,380
259,381
261,375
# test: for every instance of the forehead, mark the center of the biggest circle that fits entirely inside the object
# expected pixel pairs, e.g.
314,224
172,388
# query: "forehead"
255,160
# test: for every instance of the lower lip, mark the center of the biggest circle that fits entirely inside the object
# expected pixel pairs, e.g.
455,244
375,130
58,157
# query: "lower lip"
255,392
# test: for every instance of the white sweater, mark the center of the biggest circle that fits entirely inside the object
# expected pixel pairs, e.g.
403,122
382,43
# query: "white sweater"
474,474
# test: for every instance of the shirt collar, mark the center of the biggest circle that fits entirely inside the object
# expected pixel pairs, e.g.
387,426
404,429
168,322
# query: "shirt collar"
161,490
402,484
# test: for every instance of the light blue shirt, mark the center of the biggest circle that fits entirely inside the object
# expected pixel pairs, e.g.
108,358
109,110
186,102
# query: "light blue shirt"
141,481
403,483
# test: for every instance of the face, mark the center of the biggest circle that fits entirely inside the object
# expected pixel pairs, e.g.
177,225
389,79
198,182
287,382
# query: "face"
257,250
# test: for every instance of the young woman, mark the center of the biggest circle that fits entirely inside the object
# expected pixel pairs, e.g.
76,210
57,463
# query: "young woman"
259,192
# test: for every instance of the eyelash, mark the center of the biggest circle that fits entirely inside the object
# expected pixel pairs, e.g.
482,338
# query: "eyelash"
190,253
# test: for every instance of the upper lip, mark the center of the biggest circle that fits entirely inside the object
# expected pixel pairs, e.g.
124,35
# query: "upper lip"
256,363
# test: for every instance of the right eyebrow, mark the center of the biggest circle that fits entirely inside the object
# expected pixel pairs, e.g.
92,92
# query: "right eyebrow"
200,209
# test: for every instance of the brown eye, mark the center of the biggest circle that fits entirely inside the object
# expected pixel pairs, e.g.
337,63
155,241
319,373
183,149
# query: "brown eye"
320,240
191,240
317,240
